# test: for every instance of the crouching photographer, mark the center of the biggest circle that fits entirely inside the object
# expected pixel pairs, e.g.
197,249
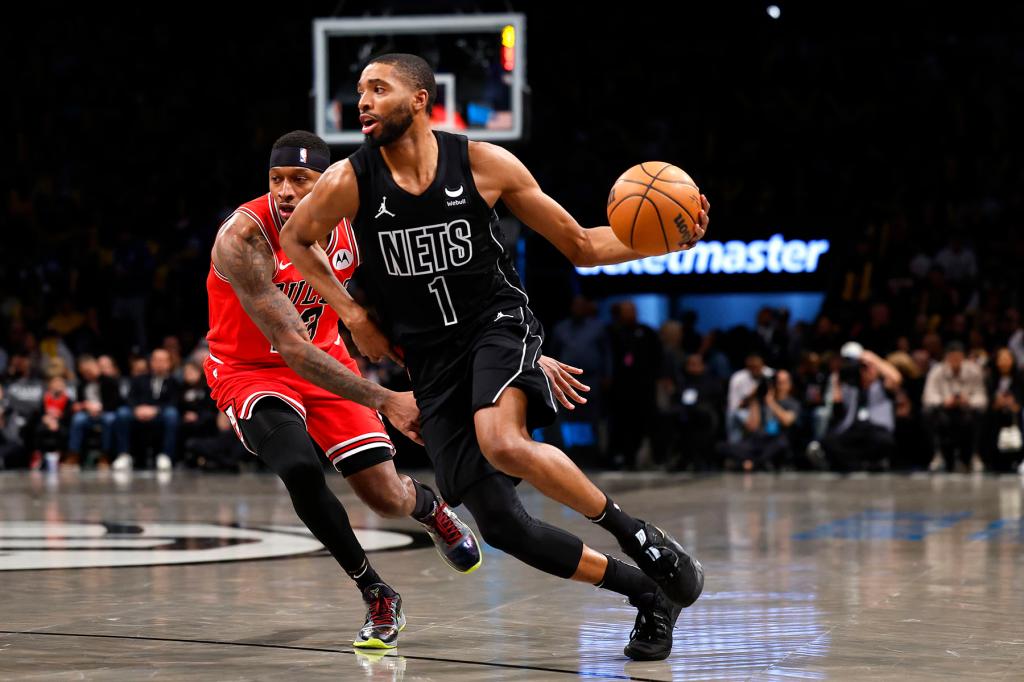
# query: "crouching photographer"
769,414
862,422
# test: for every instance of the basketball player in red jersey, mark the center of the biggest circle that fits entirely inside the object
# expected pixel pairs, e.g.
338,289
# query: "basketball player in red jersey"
277,367
421,203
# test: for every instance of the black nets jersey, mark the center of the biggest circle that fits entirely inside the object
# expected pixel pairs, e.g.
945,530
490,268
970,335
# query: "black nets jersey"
433,265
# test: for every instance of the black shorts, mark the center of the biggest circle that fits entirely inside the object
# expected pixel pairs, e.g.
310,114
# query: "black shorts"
453,381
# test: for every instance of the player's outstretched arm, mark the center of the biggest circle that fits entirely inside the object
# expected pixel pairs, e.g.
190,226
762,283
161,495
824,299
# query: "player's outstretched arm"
498,170
335,196
242,254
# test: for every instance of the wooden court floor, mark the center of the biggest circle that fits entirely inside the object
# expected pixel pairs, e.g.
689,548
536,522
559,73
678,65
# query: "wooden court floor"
210,577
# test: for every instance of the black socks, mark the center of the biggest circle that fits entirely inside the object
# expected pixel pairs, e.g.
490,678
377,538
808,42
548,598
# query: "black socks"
617,522
626,579
426,502
365,576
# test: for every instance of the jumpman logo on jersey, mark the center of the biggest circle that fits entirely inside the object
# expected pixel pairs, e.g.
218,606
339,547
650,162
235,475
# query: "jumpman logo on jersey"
383,209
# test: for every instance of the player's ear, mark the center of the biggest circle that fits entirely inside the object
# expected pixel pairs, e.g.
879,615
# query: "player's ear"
420,99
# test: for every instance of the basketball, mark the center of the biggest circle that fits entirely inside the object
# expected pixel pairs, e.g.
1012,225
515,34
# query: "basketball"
653,207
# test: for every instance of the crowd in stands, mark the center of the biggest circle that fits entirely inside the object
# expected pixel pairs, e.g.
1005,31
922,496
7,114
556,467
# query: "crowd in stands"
912,363
908,383
776,397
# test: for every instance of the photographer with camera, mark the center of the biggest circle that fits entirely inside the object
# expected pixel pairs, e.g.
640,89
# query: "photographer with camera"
743,385
954,401
863,418
769,413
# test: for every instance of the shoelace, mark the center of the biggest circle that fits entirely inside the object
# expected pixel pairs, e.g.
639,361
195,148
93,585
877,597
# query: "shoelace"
449,531
380,611
650,625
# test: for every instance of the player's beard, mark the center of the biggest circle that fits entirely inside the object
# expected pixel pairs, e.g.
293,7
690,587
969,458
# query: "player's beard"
392,128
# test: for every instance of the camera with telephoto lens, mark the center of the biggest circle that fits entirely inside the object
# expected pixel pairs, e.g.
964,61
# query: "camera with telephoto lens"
765,382
849,372
850,363
762,387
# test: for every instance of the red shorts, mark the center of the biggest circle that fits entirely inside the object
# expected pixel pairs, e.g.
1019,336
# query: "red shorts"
351,435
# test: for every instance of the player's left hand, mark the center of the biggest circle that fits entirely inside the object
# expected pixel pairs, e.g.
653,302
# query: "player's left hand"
563,381
372,342
403,413
702,223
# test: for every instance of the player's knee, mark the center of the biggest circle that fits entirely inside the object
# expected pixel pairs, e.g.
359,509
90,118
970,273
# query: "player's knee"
507,453
505,532
301,475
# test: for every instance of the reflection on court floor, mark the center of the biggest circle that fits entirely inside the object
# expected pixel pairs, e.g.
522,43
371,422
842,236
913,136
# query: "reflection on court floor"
808,577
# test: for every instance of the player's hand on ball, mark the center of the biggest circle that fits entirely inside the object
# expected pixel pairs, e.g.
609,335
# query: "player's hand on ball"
702,223
564,383
656,208
404,415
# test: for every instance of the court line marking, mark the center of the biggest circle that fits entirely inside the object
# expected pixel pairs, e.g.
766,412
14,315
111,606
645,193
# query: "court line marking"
420,540
579,673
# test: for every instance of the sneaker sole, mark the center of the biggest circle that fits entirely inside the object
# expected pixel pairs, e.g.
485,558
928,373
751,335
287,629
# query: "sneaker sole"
657,657
374,643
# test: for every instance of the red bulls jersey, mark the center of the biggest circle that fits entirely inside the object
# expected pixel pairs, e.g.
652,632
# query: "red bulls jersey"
236,343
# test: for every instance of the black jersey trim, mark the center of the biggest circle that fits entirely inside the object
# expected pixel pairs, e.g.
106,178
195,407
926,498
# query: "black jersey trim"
497,263
467,171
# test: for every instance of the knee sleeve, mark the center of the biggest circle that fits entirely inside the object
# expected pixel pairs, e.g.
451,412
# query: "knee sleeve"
506,525
504,531
278,435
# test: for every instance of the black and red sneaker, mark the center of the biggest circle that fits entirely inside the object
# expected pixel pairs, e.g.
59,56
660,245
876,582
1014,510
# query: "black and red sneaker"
384,618
454,540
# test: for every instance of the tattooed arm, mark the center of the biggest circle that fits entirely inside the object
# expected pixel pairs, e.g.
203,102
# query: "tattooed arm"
335,196
242,254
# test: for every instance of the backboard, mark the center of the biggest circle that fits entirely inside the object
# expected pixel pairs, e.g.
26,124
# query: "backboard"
479,61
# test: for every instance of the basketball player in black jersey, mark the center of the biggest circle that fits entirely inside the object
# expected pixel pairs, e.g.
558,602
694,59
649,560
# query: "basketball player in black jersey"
453,308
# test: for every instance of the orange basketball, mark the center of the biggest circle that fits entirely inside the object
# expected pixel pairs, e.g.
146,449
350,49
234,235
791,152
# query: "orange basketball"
653,207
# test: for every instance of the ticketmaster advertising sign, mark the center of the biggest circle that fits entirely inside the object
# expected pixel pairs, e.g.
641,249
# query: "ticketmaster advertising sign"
774,255
774,263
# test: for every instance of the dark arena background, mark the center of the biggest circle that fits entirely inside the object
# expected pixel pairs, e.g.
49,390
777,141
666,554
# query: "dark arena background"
821,400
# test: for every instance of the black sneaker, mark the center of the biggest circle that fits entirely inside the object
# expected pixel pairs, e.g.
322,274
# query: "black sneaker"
454,540
666,562
384,618
651,638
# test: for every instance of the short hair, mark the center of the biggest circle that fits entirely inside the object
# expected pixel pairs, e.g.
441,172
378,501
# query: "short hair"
303,138
414,70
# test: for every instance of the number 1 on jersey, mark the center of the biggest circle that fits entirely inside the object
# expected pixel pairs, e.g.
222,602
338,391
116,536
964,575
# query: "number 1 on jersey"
440,289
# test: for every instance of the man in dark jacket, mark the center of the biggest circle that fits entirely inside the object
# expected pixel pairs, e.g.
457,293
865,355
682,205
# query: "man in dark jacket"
153,406
701,401
96,401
